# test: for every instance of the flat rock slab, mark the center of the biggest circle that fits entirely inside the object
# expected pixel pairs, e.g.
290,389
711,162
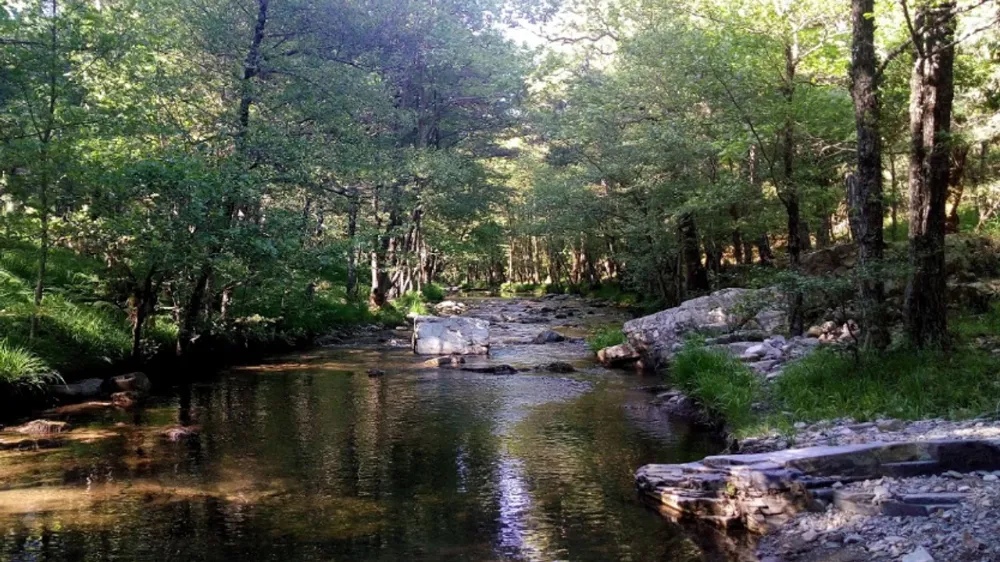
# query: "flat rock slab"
762,491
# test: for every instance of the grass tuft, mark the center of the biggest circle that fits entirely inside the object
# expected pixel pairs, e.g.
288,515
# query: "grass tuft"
21,370
720,382
605,337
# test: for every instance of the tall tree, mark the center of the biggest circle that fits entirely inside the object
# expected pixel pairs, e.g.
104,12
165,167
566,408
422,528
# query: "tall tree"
865,187
931,97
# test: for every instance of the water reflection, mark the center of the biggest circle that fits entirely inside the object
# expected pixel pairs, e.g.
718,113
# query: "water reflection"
313,460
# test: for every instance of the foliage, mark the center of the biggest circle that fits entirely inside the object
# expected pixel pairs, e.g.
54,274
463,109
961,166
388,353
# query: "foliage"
719,381
22,371
903,384
433,292
605,337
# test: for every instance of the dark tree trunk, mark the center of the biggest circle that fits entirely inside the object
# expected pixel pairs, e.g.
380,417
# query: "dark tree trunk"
189,318
764,250
790,194
864,191
695,275
956,181
144,303
931,97
824,234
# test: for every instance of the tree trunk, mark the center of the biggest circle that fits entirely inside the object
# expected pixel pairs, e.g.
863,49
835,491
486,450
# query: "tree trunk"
189,317
865,187
352,253
695,275
790,195
931,97
145,302
956,181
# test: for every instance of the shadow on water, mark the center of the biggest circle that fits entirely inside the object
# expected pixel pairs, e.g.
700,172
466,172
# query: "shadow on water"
310,459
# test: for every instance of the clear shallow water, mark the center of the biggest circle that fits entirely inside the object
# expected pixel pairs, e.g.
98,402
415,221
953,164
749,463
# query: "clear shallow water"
307,458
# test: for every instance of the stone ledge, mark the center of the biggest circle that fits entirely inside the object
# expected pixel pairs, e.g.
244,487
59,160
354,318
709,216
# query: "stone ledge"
762,491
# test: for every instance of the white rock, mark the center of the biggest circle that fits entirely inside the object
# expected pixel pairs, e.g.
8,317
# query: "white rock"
919,555
450,336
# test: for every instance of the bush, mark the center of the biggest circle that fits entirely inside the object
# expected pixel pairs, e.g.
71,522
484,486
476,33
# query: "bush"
719,381
433,292
411,303
22,371
606,337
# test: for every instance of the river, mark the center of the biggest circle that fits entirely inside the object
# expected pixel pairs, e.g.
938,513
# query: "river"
306,457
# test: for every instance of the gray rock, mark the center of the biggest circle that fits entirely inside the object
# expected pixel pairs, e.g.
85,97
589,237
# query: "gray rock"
87,388
653,336
919,555
135,382
450,336
548,336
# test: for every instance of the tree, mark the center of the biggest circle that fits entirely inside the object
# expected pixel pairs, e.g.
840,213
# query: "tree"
931,97
865,187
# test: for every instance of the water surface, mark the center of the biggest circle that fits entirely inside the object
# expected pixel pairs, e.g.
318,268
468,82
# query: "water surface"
308,458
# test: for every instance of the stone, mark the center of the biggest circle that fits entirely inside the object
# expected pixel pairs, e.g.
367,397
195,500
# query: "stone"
126,399
558,367
490,369
618,355
445,362
809,536
376,373
40,427
991,478
175,434
449,308
919,555
452,335
87,388
548,336
132,382
653,336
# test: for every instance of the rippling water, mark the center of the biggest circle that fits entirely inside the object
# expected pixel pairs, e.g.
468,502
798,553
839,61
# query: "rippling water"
310,459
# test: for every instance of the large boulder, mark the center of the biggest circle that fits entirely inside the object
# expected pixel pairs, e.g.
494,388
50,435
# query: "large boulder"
87,388
656,336
454,335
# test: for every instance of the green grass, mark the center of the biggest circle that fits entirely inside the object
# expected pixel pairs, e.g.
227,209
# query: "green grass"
605,337
720,382
22,371
902,384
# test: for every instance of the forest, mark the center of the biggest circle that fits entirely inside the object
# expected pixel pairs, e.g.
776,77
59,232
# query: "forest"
179,173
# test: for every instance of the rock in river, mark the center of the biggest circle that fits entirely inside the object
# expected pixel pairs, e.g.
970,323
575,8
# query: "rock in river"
548,336
132,382
450,336
86,388
618,355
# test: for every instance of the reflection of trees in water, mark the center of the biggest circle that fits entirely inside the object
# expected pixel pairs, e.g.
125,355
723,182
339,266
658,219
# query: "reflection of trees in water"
579,458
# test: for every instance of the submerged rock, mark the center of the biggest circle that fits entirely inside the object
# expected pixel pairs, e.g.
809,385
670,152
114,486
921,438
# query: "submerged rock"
40,427
450,361
491,369
558,367
548,336
450,336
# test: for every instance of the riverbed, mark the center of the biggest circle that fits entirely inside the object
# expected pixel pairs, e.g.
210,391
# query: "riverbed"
307,457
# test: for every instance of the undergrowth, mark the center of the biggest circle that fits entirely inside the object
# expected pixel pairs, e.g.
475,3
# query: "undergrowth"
605,337
719,381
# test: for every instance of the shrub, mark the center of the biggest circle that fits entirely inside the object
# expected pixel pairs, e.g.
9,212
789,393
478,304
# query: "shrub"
23,371
606,337
411,303
719,381
433,292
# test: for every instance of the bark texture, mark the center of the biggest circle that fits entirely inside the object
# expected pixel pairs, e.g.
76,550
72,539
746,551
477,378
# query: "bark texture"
931,98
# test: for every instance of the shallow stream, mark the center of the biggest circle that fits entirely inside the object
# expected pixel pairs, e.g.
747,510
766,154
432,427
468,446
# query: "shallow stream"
306,457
